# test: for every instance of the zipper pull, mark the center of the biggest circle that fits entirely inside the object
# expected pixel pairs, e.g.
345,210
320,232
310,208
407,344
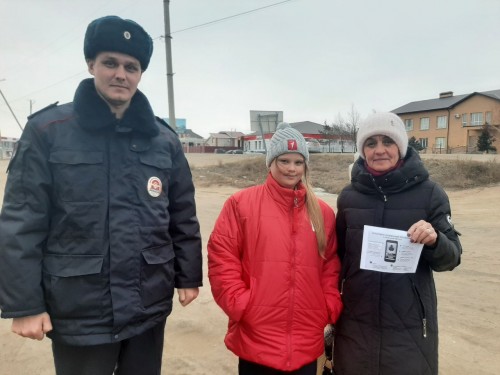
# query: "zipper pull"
342,287
296,202
424,323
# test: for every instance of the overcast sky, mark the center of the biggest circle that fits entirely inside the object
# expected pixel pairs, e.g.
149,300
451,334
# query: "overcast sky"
311,59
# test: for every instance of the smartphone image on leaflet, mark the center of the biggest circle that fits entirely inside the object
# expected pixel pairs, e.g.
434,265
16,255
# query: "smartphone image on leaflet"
391,250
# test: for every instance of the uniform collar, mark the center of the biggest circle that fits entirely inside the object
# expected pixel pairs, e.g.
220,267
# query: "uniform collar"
94,114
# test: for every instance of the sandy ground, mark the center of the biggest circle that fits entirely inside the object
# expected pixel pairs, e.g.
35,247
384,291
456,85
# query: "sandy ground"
469,300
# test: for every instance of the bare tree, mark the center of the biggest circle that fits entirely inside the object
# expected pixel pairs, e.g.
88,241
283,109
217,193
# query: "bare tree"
352,124
328,134
342,129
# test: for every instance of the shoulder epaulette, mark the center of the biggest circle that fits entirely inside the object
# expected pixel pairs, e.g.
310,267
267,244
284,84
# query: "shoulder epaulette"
164,123
43,110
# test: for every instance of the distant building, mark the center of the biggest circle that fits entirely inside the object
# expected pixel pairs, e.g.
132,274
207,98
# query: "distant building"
225,139
190,138
452,123
191,142
256,142
7,147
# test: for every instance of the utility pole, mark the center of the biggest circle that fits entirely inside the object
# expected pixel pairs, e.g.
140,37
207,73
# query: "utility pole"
170,74
8,106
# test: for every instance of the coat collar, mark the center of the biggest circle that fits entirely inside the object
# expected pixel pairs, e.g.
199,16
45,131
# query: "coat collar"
410,173
94,114
285,196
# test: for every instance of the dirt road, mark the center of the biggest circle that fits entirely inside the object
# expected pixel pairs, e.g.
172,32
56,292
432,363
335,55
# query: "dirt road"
469,302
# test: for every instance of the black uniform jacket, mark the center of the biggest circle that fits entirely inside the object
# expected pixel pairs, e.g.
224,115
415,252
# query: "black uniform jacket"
389,322
98,223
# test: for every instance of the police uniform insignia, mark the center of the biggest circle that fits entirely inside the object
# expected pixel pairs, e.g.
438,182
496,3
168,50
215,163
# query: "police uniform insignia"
154,187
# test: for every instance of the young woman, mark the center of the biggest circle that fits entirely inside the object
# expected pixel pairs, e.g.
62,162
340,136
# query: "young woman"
273,266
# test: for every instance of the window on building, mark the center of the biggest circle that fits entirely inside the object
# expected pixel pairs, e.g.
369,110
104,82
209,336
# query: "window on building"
476,118
442,122
423,142
488,118
409,124
440,143
424,123
464,119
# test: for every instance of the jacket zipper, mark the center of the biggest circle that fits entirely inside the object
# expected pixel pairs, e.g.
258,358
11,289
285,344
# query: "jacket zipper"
379,189
292,276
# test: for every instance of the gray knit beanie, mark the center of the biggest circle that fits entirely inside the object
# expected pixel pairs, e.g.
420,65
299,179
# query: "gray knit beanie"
284,141
383,123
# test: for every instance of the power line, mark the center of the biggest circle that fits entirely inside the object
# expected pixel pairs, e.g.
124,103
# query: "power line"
51,85
229,17
162,36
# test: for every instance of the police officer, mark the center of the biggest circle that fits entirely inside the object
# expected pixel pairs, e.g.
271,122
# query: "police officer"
98,224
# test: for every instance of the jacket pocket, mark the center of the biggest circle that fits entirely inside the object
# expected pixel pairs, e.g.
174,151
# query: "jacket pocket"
79,175
157,160
74,285
157,274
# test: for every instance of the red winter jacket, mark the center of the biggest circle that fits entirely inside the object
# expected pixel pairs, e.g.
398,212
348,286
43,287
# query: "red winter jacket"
268,277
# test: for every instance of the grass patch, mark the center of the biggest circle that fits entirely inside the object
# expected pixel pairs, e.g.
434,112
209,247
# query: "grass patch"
330,172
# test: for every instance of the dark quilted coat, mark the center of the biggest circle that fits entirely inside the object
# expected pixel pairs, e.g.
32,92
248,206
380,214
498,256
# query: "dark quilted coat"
389,322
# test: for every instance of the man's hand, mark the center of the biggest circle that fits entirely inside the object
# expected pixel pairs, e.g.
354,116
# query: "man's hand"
187,295
33,327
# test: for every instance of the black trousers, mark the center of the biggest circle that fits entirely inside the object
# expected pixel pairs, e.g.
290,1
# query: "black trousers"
250,368
140,354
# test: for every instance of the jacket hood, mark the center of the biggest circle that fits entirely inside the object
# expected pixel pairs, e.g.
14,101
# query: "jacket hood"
412,172
93,113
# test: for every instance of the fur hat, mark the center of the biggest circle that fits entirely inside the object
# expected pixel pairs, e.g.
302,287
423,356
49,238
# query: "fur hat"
112,33
286,140
383,123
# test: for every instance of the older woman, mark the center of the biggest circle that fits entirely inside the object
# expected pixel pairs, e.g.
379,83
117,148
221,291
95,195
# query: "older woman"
389,323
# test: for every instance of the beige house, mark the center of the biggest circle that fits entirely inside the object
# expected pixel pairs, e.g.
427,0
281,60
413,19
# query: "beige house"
225,139
452,124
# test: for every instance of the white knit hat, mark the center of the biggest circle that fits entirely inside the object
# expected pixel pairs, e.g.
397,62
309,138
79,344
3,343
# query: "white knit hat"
286,140
383,123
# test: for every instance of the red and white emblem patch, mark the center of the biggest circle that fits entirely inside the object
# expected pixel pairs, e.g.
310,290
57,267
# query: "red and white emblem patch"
292,145
154,186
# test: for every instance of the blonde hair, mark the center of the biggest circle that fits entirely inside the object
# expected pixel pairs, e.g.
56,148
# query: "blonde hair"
315,214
